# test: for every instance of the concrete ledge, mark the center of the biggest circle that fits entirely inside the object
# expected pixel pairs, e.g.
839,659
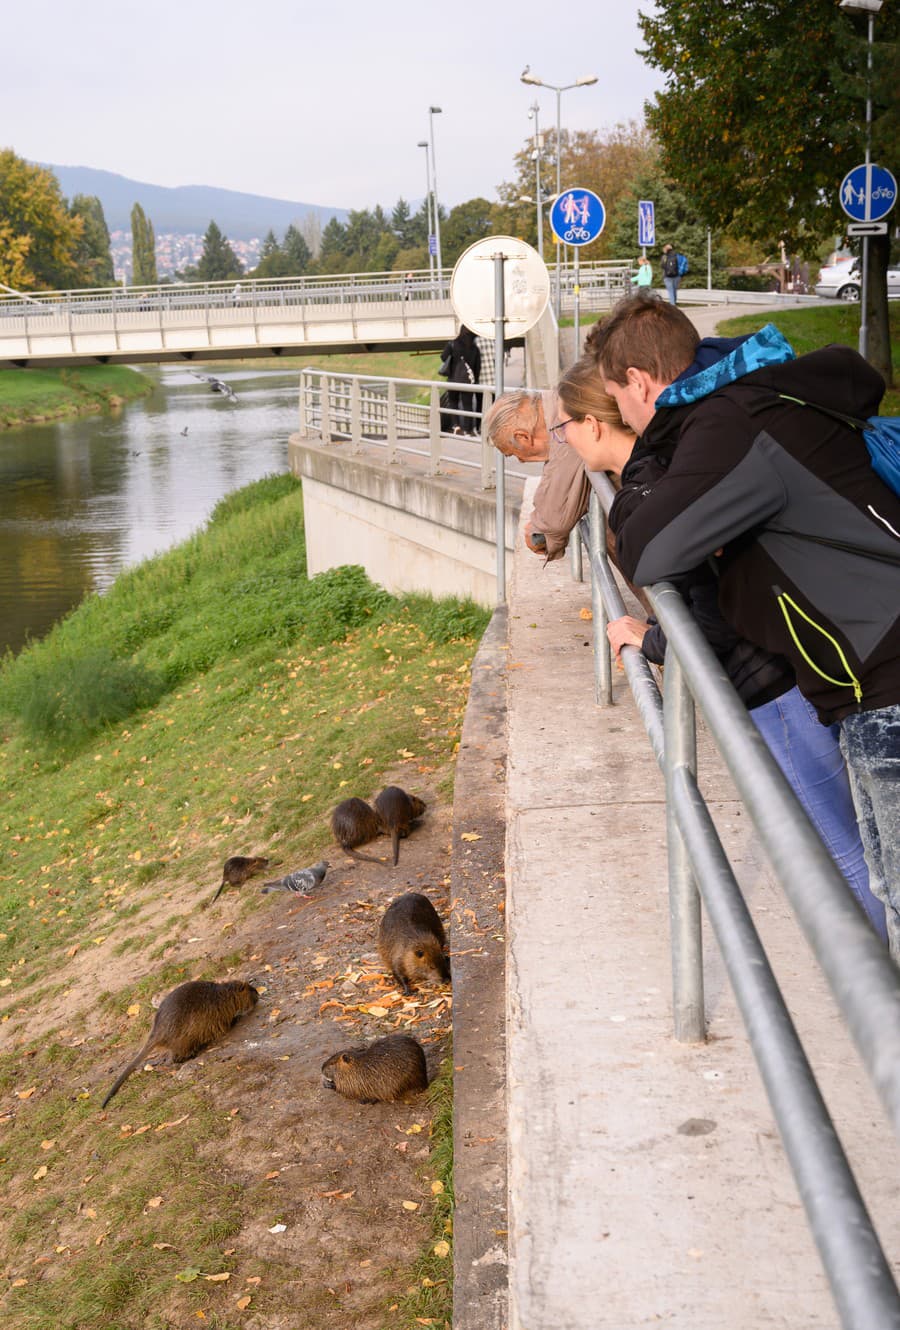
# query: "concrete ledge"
477,895
410,531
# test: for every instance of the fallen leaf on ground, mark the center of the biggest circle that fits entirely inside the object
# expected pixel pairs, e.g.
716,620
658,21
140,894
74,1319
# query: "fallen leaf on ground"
441,1248
243,1303
470,835
188,1276
410,1205
218,1279
586,614
41,1173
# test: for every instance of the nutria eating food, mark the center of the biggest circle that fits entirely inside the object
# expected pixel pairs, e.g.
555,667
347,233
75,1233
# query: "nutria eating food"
353,822
411,941
236,871
388,1069
397,811
193,1014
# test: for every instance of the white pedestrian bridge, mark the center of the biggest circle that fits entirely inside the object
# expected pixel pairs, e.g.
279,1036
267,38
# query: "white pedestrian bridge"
221,320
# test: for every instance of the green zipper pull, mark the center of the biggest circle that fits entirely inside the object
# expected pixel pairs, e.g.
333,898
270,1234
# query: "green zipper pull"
851,681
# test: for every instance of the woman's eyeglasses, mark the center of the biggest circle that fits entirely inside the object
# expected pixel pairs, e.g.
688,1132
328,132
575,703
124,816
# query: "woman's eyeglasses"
558,431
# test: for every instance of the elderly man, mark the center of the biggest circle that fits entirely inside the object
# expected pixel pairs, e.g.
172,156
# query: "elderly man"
521,424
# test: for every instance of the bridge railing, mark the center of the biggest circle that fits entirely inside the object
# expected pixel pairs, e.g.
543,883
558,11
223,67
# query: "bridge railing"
865,983
404,416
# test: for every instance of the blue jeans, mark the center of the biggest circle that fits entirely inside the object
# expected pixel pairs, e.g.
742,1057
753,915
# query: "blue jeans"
870,741
809,755
672,284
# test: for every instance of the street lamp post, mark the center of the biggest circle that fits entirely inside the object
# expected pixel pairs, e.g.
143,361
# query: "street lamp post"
559,89
871,8
538,144
432,112
423,143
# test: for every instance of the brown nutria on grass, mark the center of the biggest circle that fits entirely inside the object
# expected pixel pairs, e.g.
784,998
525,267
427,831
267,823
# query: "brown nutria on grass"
411,941
388,1069
236,871
397,811
193,1014
353,822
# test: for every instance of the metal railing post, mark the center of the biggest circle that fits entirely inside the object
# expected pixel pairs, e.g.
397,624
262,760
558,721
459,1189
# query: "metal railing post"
680,729
391,423
325,413
355,419
304,418
487,448
575,555
434,430
602,660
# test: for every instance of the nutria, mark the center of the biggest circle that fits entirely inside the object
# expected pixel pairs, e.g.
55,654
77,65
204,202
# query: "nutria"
236,871
397,811
354,822
193,1014
388,1069
411,941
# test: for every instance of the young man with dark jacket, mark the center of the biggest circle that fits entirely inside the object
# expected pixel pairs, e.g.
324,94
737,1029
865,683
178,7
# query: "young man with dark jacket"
807,537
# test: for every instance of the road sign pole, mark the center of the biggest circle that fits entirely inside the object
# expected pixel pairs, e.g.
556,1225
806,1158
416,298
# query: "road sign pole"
575,303
499,331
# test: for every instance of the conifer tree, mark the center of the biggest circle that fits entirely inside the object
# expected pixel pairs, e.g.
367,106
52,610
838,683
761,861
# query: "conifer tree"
143,249
218,262
296,251
92,252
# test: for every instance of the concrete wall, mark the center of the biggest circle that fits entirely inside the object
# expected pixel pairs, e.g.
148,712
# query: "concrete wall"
410,531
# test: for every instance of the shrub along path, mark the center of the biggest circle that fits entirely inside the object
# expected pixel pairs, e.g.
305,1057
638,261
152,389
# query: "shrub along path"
166,1208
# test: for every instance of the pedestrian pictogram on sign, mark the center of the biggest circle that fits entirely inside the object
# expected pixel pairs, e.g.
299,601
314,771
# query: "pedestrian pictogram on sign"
646,223
578,216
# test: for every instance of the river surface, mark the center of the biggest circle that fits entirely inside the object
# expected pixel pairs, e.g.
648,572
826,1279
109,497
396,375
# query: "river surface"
82,499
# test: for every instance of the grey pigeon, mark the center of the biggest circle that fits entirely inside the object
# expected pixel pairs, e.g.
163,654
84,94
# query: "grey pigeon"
301,882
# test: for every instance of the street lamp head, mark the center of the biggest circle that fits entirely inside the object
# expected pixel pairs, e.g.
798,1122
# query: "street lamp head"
434,110
533,79
866,6
423,143
592,78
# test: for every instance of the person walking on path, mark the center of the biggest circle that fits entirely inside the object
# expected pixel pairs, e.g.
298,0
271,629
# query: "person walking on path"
465,368
805,537
644,275
670,273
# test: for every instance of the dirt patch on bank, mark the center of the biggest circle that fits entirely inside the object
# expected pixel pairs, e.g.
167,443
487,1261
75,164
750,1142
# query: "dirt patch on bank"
333,1201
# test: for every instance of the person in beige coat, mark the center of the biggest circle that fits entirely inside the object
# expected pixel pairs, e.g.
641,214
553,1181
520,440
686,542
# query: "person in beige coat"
525,424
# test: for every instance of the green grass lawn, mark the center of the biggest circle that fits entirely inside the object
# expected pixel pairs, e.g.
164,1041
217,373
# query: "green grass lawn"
44,394
211,690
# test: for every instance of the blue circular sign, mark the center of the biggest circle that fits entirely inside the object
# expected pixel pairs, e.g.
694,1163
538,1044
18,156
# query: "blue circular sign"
578,216
868,193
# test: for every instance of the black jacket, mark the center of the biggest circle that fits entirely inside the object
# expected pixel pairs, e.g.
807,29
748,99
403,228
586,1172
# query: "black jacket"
810,567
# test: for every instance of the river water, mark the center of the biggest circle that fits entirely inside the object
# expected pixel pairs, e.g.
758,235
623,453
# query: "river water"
82,499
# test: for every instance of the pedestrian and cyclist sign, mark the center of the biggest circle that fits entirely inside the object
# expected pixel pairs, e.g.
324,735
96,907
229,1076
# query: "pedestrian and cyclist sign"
868,193
646,224
578,216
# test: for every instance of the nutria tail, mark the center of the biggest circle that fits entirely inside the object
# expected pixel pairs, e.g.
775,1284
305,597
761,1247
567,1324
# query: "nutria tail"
397,811
191,1016
353,822
388,1069
411,942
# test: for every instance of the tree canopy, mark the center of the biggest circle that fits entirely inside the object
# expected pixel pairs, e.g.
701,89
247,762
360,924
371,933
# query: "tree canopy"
38,235
143,249
761,117
218,262
92,252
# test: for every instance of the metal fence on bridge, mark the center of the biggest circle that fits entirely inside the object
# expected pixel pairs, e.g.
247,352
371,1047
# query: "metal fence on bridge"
865,983
415,417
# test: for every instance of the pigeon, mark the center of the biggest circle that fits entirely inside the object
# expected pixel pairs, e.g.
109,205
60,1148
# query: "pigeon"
300,882
236,871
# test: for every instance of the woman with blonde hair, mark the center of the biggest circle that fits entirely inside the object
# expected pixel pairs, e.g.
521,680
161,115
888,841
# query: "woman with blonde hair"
807,752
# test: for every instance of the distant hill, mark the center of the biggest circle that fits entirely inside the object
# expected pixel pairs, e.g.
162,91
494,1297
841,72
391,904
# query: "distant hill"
187,209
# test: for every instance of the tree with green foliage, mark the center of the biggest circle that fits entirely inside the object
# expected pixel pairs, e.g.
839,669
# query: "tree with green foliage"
403,224
92,253
218,262
761,117
272,260
467,222
296,251
333,249
38,234
143,249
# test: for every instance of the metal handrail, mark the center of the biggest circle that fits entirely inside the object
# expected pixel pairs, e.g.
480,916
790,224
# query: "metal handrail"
380,412
863,979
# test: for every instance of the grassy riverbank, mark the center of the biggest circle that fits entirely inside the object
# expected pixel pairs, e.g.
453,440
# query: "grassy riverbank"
214,702
31,395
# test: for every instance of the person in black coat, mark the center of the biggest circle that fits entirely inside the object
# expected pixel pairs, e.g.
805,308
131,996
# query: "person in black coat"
465,367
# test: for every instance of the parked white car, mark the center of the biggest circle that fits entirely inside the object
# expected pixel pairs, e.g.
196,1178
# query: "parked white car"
842,280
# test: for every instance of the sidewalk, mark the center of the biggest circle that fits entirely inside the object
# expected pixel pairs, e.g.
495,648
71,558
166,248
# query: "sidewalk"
647,1182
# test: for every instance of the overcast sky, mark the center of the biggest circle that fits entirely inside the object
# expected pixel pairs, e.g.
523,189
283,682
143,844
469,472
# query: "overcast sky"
315,102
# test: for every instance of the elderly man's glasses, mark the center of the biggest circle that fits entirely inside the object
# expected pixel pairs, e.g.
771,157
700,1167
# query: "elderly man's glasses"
558,431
